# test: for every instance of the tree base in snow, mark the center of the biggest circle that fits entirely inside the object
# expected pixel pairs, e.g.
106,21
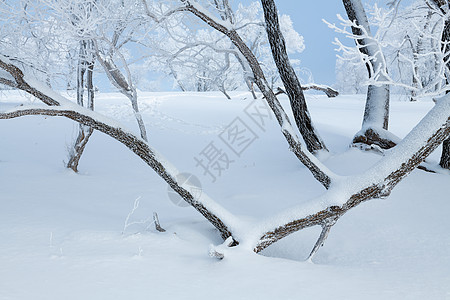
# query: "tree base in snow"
84,133
370,139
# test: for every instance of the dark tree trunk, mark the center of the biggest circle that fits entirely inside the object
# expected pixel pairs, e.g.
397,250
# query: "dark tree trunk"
291,83
85,71
444,5
445,157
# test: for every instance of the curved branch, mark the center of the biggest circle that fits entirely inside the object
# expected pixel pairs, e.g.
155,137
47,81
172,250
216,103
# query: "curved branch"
213,212
141,149
20,83
377,182
8,82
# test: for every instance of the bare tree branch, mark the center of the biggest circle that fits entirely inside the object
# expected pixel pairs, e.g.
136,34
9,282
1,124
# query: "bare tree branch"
330,92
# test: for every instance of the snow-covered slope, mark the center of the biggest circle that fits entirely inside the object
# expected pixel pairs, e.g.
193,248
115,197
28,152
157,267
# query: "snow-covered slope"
63,235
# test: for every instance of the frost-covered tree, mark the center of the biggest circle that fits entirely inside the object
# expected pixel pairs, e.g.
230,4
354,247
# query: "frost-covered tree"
125,29
200,59
376,113
342,192
279,56
110,26
85,70
68,37
351,75
412,46
411,43
28,31
415,41
407,39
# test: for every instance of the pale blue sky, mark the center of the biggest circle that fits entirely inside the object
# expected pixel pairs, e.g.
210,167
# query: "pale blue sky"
319,55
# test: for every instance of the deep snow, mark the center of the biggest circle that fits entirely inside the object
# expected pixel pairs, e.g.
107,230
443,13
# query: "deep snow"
61,233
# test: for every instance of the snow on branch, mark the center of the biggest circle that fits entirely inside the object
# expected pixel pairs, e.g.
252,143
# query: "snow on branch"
163,16
329,91
59,106
376,182
19,81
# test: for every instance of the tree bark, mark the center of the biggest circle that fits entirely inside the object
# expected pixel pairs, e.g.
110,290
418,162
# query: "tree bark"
330,92
445,157
291,83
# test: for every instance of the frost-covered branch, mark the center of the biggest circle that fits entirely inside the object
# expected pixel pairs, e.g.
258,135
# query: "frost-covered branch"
163,16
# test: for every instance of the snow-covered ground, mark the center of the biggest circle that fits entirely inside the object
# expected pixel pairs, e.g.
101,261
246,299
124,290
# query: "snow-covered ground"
63,235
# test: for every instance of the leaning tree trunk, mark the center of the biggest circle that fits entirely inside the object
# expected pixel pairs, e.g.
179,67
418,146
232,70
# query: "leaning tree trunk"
445,38
445,158
376,112
291,83
85,70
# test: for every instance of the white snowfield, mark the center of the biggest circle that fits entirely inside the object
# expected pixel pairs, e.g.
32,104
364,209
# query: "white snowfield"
73,236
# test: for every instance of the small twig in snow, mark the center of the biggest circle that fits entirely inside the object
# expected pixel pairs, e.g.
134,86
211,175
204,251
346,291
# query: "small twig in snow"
135,207
156,221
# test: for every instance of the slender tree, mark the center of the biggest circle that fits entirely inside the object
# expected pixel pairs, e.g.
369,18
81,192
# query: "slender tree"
376,112
85,70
